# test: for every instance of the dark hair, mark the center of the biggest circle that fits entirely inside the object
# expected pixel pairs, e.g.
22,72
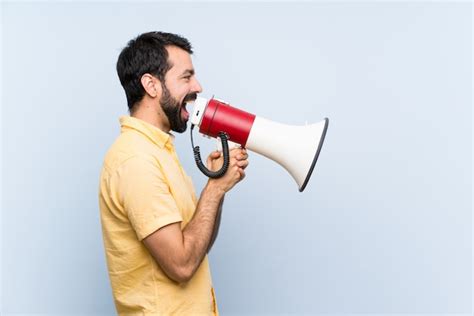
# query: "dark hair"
146,54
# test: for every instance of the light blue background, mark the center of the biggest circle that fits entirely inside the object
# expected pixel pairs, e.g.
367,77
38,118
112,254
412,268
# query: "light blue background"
385,223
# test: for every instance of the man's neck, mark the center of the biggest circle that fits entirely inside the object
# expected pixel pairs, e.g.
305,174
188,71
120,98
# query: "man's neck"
151,117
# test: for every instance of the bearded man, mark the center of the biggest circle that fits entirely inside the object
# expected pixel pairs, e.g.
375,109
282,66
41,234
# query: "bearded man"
156,232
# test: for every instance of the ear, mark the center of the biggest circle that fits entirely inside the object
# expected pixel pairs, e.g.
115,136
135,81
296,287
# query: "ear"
151,85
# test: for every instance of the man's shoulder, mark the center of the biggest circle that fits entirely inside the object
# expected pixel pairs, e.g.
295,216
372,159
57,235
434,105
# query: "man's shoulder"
129,146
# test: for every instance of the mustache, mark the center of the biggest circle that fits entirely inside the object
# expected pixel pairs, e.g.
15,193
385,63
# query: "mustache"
190,97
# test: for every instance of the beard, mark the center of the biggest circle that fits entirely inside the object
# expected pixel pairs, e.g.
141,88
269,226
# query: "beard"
172,109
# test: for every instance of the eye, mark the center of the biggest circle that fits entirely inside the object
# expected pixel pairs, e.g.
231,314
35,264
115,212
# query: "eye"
187,77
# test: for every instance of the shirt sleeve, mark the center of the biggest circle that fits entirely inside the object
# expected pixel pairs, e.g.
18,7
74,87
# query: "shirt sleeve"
146,196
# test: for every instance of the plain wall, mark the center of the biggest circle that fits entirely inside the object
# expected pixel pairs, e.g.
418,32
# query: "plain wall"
384,225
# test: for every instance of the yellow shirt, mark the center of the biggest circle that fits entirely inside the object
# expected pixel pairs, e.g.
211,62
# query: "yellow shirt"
143,187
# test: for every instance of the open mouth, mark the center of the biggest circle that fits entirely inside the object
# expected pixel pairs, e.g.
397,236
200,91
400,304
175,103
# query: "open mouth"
184,112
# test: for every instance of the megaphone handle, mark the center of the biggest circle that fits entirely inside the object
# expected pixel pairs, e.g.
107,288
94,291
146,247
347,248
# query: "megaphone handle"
225,150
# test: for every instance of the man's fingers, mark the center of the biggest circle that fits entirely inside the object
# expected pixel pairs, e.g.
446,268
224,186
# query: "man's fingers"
215,154
241,156
243,163
237,151
242,173
212,157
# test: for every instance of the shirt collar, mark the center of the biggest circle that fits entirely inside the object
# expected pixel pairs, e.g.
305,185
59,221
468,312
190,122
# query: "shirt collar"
155,134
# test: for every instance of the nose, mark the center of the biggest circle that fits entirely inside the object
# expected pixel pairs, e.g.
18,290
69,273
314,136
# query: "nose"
197,86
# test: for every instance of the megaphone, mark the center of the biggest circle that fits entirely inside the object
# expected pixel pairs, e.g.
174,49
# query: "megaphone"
295,148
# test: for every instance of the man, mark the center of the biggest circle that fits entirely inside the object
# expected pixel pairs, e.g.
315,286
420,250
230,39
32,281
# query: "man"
156,232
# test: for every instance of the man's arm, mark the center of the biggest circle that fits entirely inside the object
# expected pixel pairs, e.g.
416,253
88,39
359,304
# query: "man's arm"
217,223
215,161
179,253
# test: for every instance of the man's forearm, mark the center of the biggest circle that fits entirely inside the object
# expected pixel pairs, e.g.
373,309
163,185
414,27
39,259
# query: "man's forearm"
199,231
217,224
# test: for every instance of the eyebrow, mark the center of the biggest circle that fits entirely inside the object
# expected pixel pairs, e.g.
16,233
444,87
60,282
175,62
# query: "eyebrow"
188,71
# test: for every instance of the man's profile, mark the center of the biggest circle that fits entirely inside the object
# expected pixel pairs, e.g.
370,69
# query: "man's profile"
156,231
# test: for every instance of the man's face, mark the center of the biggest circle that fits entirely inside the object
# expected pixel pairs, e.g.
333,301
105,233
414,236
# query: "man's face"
179,87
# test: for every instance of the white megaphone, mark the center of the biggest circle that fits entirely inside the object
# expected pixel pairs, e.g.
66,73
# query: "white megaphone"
295,148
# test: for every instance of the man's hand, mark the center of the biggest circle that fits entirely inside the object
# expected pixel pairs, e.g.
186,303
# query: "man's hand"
235,173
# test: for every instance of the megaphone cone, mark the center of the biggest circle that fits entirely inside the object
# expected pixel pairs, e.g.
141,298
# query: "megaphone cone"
295,148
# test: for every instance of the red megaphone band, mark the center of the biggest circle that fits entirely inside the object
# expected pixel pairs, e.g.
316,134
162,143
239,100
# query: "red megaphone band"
219,116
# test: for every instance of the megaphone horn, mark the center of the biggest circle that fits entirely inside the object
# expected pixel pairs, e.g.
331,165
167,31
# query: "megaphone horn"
295,148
